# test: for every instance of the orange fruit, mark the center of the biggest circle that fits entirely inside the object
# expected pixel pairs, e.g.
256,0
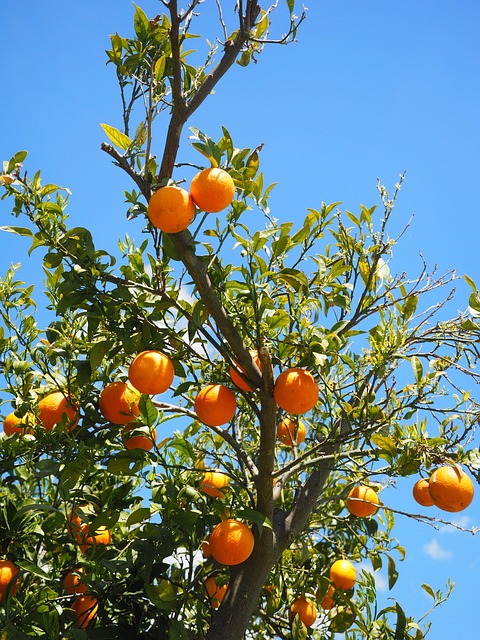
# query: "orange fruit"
151,372
8,573
362,501
215,591
214,483
118,402
85,610
87,540
141,438
286,432
72,582
305,609
296,391
343,574
78,518
53,407
231,542
237,379
171,209
450,488
421,493
13,424
212,190
215,405
327,602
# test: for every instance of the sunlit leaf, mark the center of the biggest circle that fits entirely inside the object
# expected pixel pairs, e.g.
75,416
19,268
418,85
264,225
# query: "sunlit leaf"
117,137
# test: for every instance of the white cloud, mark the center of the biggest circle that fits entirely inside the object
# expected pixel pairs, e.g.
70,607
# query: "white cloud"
435,551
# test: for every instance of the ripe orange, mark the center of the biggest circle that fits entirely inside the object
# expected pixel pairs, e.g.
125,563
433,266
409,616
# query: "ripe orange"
296,391
215,405
118,402
237,379
13,424
86,540
215,591
327,602
231,542
53,407
78,526
8,573
305,609
450,488
212,190
343,574
151,372
286,432
85,610
141,437
78,518
214,483
362,501
171,209
421,493
72,582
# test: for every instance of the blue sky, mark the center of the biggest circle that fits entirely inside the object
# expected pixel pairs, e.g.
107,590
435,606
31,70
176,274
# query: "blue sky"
370,89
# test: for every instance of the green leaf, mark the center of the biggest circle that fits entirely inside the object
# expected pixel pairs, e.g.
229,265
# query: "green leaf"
18,158
140,137
117,137
26,565
417,368
474,304
469,281
252,165
98,352
141,23
401,623
392,572
342,620
52,260
210,151
295,278
299,630
429,590
254,516
148,410
139,515
385,443
159,68
19,231
409,307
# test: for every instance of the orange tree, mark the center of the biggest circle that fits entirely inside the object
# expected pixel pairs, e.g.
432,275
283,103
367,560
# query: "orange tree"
247,321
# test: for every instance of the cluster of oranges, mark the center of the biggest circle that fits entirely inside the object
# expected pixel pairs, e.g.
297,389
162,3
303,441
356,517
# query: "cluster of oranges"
342,577
448,488
151,372
84,605
295,391
172,209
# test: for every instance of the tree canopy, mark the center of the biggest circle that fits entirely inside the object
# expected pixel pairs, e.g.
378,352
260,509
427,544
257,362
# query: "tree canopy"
221,405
